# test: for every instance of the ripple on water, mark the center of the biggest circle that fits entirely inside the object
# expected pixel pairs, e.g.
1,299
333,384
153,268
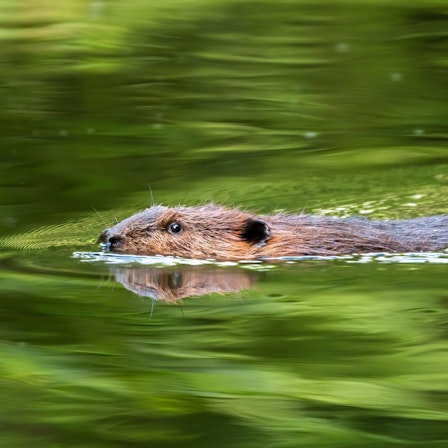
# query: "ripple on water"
159,260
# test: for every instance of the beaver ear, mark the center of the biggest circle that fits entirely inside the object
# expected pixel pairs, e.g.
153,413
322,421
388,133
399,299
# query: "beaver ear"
256,231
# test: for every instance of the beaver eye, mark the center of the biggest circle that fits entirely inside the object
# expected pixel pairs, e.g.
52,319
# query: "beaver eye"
175,227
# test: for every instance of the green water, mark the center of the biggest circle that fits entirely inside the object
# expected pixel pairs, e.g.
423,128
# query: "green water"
335,107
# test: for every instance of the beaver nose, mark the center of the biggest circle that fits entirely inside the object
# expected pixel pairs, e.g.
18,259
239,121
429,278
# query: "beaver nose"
103,237
108,241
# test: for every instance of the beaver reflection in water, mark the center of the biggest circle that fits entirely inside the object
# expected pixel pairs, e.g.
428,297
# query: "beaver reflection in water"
214,232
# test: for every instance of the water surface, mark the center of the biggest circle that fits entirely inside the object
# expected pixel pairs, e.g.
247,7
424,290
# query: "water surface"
336,108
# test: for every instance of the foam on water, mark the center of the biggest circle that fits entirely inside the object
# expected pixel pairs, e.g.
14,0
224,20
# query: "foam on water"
159,260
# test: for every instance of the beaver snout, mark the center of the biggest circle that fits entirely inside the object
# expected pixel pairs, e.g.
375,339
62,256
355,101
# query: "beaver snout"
110,241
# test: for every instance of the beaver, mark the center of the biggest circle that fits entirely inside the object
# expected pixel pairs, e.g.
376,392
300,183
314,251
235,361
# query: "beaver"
220,233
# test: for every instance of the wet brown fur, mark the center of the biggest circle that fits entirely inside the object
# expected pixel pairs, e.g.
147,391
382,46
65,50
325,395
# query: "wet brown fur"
214,232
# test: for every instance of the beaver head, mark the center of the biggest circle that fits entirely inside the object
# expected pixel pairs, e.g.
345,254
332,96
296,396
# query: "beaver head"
202,232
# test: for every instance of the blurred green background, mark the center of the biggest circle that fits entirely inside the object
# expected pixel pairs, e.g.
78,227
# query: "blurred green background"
289,104
336,107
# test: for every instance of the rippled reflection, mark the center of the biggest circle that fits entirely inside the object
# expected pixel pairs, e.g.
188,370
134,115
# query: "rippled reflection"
173,284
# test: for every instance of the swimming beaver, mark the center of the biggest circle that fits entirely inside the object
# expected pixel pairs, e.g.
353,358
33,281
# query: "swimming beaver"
214,232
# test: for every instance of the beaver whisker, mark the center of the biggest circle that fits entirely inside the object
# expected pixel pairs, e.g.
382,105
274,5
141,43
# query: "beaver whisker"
99,214
151,197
